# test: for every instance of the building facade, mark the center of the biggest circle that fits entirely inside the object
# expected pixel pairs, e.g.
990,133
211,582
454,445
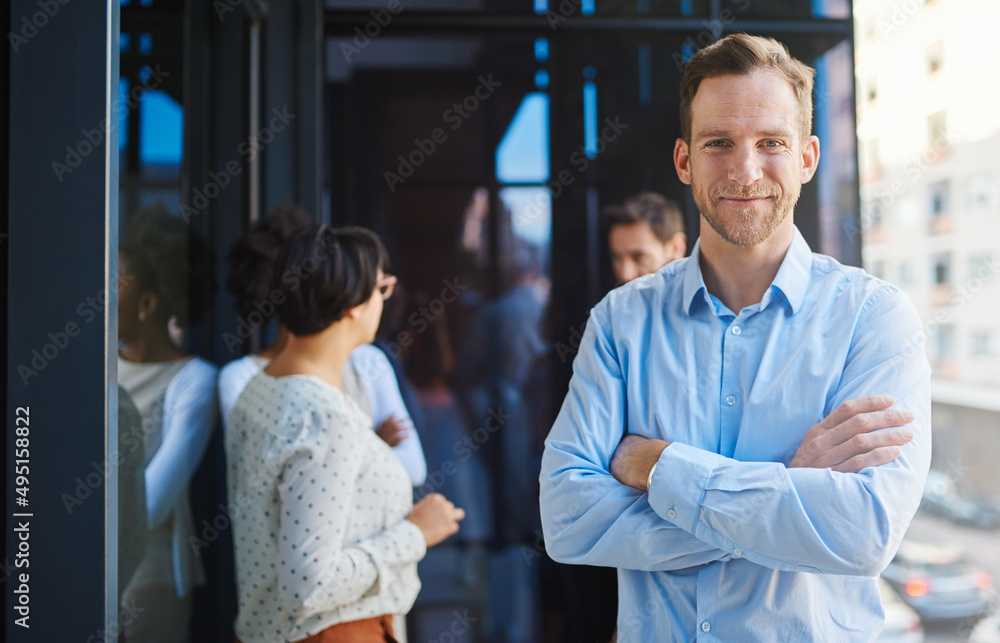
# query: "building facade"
928,130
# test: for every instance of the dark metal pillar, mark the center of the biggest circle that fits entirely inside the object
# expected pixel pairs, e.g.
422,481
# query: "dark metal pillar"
62,321
293,81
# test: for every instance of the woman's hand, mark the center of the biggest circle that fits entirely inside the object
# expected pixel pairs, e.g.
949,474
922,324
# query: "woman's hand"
393,430
437,517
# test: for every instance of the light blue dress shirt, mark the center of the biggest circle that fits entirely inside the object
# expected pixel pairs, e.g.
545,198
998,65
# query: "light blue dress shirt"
730,544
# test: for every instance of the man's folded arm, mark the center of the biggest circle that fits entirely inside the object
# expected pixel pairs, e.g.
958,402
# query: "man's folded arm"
816,520
587,516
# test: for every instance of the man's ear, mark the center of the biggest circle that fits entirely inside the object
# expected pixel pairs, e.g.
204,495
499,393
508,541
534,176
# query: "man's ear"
810,158
147,305
682,161
677,246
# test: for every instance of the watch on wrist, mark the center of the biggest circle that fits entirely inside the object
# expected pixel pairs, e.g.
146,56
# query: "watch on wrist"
649,478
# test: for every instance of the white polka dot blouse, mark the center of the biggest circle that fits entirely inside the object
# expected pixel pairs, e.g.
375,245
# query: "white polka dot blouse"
317,503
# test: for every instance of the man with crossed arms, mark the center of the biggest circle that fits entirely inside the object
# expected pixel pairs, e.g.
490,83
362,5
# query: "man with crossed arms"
775,405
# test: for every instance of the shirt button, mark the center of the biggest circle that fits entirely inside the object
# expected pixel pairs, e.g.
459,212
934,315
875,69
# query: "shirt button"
730,400
736,330
706,626
737,552
671,514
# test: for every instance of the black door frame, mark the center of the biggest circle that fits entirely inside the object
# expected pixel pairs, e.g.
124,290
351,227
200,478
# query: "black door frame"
62,181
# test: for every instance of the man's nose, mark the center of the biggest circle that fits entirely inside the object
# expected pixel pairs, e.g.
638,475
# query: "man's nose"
630,271
744,166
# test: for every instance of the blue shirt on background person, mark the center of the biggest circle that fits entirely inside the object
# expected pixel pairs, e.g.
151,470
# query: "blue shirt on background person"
730,544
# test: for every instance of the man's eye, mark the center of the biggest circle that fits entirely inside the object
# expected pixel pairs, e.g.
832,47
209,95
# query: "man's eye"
715,144
773,143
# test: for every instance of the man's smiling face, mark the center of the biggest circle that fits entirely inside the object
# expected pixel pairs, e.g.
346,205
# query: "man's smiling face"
746,160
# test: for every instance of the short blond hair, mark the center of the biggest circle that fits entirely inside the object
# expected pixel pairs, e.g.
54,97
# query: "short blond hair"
741,54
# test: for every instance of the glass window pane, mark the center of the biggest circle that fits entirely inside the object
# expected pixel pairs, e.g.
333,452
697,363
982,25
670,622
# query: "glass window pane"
123,90
530,214
161,130
523,153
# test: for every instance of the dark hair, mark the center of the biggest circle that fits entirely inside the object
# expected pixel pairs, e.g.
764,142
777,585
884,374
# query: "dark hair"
742,54
663,215
253,257
323,273
165,258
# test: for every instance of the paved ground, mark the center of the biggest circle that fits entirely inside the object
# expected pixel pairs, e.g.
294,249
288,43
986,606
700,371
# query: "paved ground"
982,549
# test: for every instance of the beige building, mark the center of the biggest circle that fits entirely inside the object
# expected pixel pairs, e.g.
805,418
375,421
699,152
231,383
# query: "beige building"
929,163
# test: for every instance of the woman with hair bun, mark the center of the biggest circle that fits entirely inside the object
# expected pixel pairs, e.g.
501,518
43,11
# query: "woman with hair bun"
368,378
252,262
327,538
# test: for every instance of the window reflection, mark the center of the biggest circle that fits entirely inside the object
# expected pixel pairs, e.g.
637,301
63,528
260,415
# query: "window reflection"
174,395
132,523
167,395
472,228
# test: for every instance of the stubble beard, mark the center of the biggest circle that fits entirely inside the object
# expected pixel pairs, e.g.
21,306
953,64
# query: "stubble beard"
748,227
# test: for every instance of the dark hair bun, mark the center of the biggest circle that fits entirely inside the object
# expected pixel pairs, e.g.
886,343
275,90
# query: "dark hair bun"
253,257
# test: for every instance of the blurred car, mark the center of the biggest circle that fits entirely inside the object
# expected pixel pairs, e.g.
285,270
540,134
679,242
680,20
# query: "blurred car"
902,625
987,630
942,498
937,582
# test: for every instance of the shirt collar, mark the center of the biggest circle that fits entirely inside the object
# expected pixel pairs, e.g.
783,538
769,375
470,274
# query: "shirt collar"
694,281
791,280
793,275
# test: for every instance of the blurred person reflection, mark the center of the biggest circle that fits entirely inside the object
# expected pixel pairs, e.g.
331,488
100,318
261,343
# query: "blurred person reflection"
395,408
497,375
383,387
502,348
328,541
252,263
130,459
390,339
175,395
645,233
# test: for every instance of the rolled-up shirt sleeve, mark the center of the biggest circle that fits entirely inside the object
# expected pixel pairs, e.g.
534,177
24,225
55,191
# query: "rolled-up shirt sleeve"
816,520
588,517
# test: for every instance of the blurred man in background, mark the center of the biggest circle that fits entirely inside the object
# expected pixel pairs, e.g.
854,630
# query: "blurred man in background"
645,233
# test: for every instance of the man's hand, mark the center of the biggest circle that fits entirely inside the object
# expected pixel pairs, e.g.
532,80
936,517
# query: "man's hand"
849,439
393,430
633,459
